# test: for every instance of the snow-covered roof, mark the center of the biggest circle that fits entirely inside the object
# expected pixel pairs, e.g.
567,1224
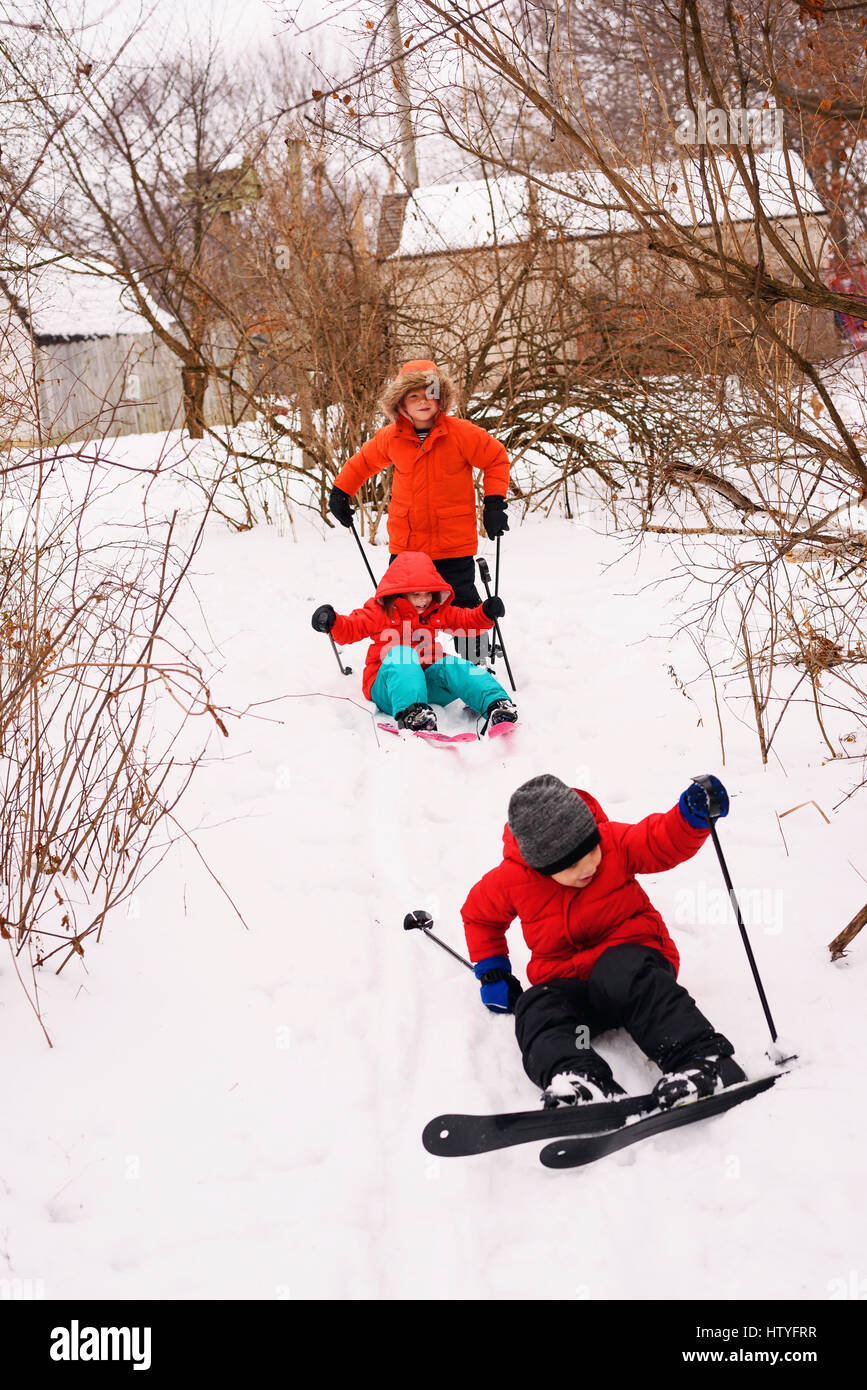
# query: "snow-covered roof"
62,297
484,213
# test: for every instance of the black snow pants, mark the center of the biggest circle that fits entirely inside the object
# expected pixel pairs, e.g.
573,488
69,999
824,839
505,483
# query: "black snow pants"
631,987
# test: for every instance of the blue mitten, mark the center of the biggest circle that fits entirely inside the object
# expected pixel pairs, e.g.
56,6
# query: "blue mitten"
694,807
500,989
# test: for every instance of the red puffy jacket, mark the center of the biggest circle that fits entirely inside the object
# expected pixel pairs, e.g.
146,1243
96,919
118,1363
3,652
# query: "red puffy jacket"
567,929
411,573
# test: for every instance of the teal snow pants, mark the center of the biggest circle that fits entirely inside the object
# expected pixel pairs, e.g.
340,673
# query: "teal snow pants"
402,681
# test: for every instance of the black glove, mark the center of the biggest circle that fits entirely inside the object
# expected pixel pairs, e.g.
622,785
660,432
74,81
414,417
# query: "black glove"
324,618
340,506
493,607
494,517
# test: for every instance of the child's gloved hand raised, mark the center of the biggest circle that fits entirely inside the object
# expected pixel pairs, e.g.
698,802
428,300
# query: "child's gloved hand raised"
324,618
694,806
500,990
493,607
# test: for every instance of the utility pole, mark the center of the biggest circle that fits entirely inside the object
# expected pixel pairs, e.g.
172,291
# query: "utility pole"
409,168
304,397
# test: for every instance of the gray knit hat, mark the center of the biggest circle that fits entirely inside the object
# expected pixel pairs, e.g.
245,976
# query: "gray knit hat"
553,825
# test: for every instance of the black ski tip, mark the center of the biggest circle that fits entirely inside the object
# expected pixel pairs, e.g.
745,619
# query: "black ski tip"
439,1137
457,1136
563,1156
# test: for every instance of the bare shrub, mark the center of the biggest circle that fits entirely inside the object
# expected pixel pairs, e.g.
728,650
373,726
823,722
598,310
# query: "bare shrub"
97,690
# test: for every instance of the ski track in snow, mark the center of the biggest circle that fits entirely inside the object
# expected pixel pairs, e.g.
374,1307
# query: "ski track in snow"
233,1113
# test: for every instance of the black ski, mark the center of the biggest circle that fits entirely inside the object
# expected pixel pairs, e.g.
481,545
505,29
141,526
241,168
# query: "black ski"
455,1136
573,1153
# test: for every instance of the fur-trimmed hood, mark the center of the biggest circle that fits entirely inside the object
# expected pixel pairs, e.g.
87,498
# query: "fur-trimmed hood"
419,375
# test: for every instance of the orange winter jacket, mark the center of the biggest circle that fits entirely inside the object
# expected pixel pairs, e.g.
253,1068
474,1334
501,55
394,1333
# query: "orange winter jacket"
405,626
433,501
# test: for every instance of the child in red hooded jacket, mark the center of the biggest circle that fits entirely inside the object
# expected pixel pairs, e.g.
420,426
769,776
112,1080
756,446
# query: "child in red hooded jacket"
601,955
406,669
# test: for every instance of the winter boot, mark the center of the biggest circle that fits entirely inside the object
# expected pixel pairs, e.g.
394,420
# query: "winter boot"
502,712
417,718
696,1080
568,1088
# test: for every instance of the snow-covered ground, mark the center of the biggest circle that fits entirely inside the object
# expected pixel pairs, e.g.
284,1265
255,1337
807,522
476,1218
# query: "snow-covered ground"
234,1111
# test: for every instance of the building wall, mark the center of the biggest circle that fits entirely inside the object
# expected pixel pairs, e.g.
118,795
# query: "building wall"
570,299
96,388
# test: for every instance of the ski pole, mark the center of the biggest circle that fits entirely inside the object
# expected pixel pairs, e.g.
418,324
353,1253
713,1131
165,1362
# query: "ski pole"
423,919
486,580
344,670
363,556
713,808
495,650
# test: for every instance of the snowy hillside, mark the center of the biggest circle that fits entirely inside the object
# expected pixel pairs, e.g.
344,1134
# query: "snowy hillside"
234,1111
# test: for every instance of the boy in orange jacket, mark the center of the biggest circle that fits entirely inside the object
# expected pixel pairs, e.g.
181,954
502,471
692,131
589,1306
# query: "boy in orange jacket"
433,499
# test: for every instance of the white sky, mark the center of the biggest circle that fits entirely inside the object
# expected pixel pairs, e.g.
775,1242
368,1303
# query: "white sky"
329,34
238,23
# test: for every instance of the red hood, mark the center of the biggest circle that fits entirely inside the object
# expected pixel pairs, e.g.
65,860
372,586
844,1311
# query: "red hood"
413,572
510,844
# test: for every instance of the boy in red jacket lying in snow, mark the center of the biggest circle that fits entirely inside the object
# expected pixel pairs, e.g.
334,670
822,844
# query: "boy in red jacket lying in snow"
601,955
